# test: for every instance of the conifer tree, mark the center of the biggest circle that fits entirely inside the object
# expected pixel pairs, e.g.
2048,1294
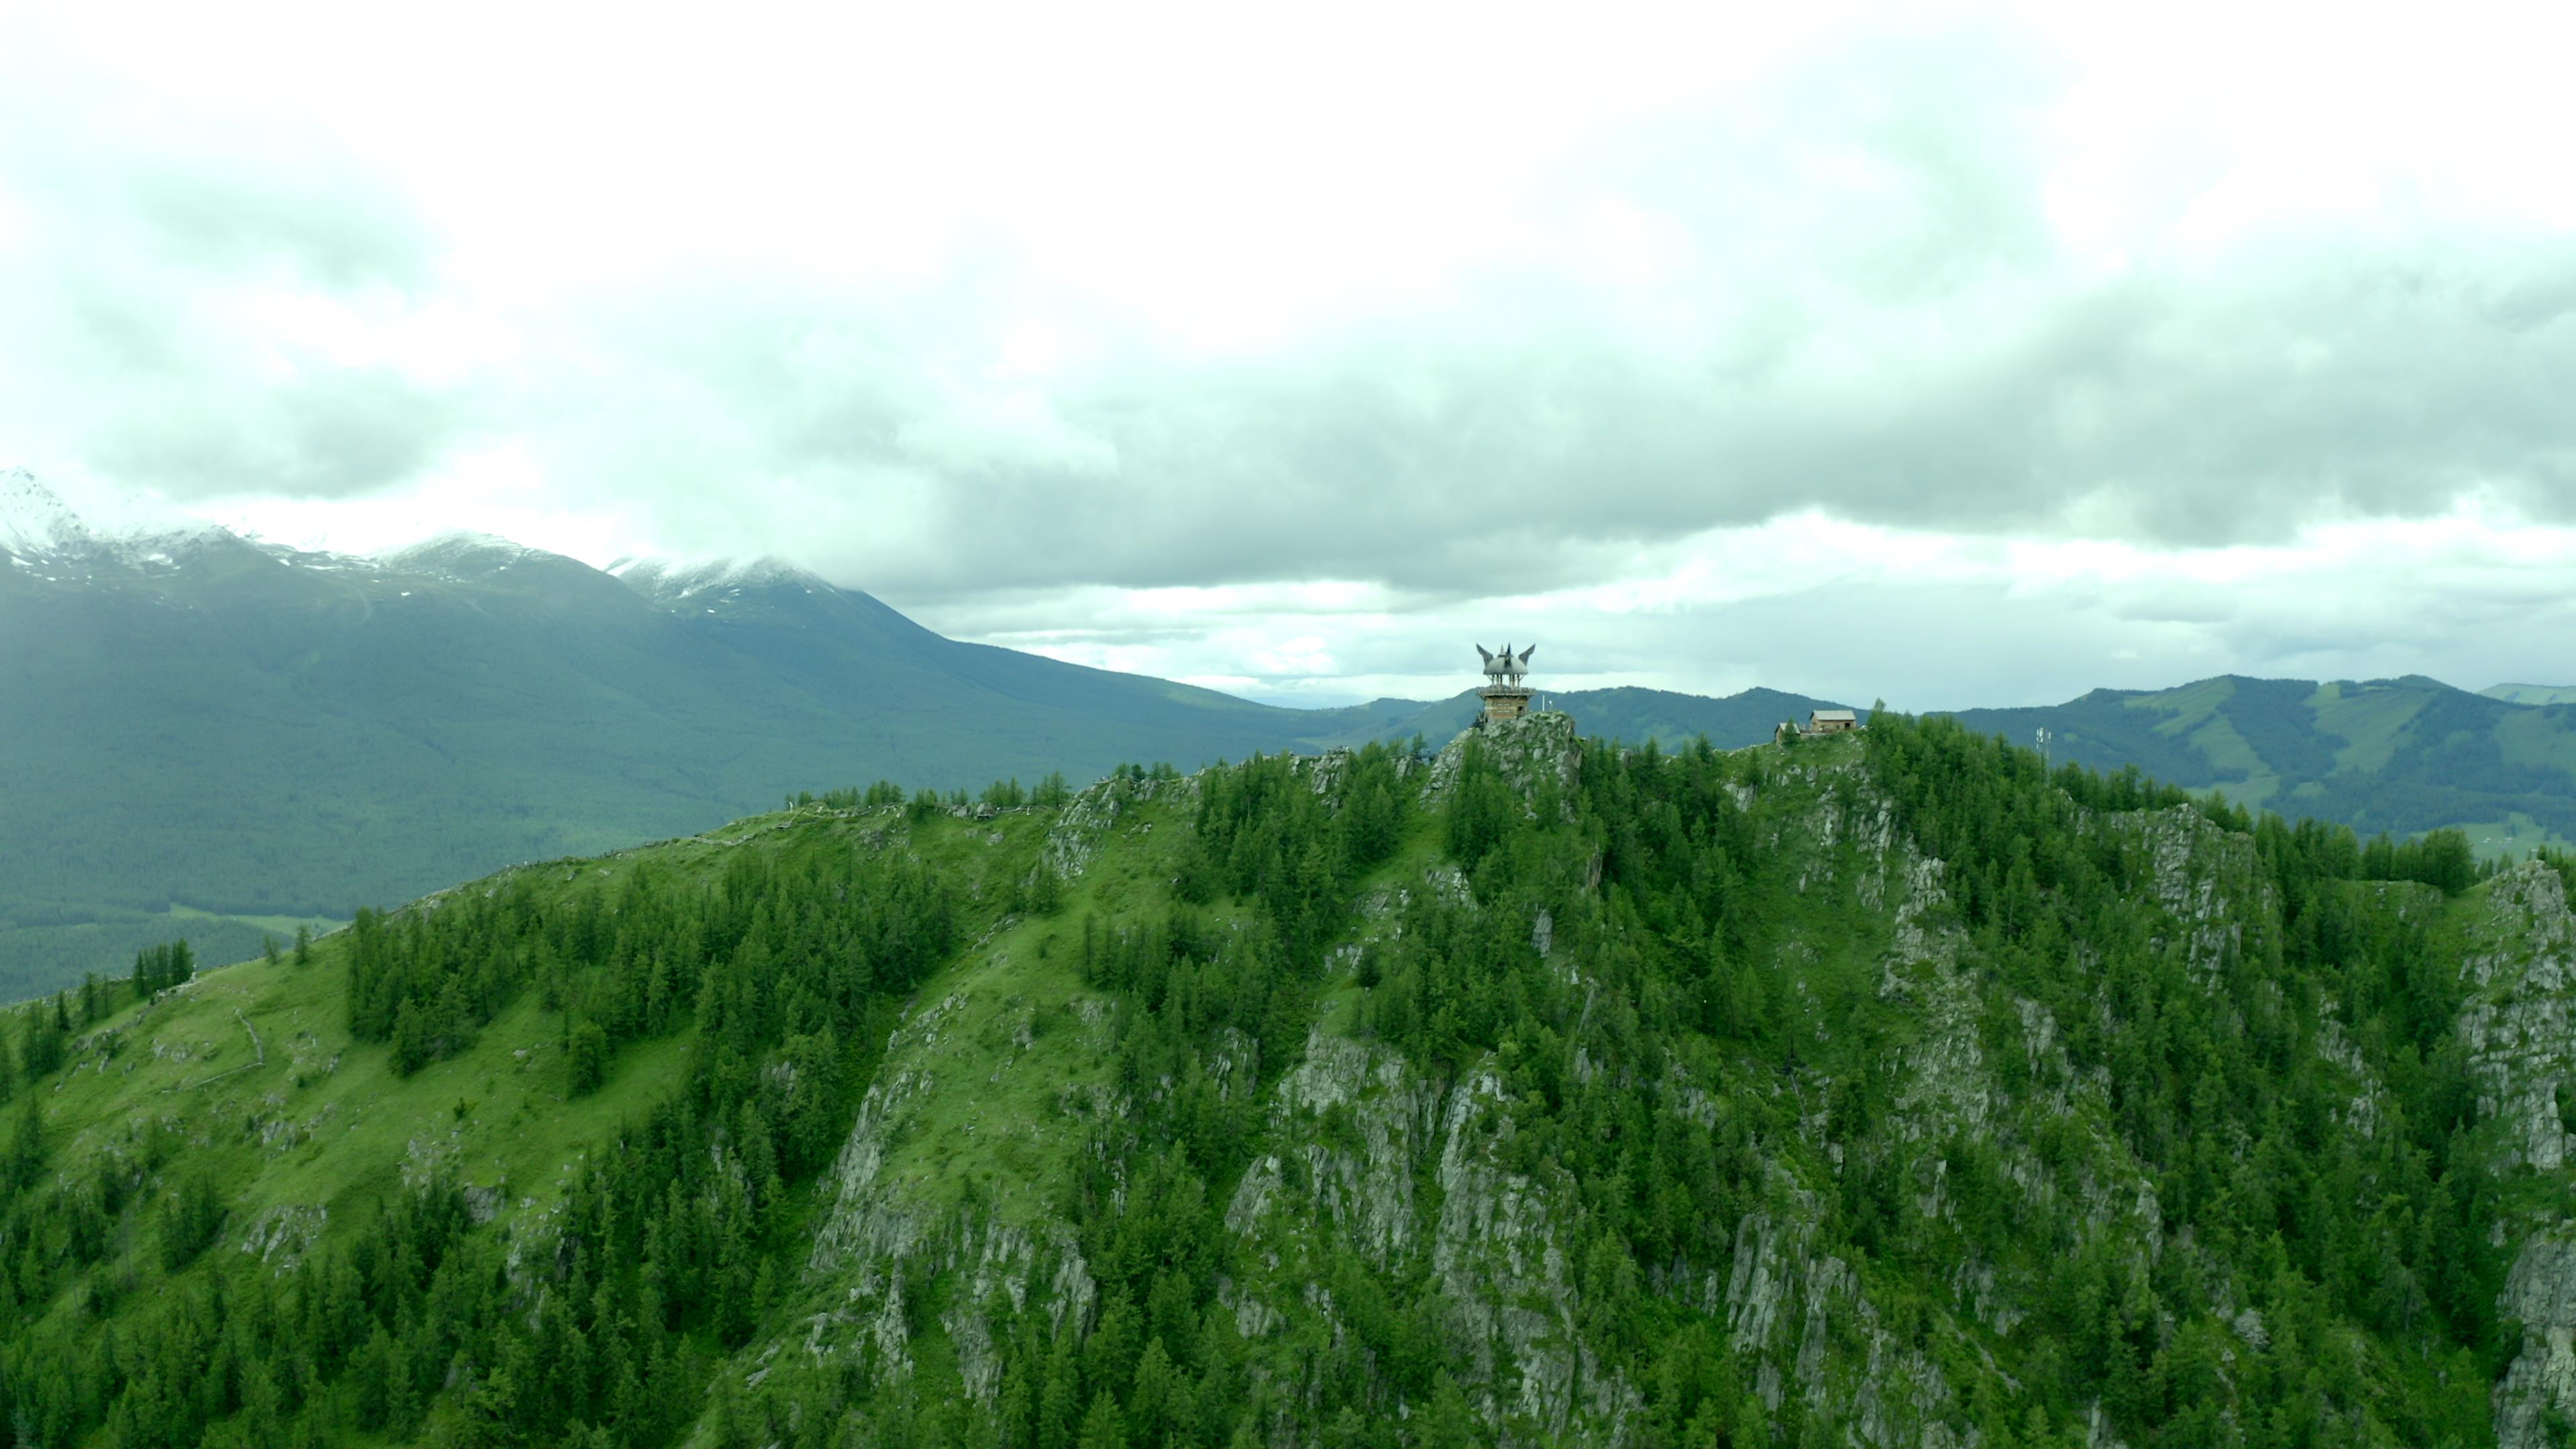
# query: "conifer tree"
1104,1427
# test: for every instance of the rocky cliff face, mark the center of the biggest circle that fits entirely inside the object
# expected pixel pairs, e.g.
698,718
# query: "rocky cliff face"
2517,1026
1412,1174
1534,747
2521,1044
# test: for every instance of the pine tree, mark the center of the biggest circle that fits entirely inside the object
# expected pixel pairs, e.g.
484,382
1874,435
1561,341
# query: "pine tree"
1152,1406
1103,1427
410,1040
586,1058
1059,1402
26,1156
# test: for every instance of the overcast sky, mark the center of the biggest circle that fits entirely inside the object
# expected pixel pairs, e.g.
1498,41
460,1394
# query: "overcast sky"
1981,356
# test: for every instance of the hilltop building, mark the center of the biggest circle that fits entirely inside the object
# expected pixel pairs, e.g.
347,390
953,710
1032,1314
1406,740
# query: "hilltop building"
1506,693
1821,722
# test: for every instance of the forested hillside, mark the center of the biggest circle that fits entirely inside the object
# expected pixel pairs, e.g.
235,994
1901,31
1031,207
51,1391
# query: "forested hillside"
1887,1090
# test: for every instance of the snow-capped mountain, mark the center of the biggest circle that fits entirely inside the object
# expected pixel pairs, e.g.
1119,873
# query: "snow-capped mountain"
38,529
35,525
670,583
461,555
44,540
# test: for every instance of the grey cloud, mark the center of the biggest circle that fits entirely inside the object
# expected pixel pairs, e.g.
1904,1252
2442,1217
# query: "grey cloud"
1865,308
330,433
1867,313
137,249
306,207
211,193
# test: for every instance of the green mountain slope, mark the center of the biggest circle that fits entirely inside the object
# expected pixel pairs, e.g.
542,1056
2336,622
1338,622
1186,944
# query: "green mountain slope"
1884,1090
2396,755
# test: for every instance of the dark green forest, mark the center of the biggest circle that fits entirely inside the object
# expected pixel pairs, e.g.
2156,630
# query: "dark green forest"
1625,976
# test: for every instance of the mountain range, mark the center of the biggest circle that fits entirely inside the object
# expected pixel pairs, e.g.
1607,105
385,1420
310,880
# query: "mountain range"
221,738
217,737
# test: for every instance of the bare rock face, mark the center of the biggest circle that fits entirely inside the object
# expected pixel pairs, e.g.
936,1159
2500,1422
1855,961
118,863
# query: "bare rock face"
281,1235
1528,749
1360,1127
2518,1027
2521,1040
2540,1291
1357,1172
1787,1305
884,1236
1086,819
1500,1253
2199,869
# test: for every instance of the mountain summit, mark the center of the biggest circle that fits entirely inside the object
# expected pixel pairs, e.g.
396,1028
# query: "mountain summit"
665,582
40,532
36,525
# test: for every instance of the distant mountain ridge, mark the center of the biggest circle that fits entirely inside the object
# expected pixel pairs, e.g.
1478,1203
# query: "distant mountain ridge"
221,737
2397,755
2532,693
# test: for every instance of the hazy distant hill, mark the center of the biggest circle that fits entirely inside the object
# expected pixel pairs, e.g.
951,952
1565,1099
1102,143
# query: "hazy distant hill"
203,735
2532,693
2400,755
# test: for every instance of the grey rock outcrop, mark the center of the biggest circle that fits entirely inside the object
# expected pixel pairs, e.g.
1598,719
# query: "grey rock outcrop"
2518,1027
1534,747
2521,1041
2541,1383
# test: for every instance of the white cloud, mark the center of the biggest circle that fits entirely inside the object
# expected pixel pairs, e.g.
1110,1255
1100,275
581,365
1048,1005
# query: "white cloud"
1987,353
1926,621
